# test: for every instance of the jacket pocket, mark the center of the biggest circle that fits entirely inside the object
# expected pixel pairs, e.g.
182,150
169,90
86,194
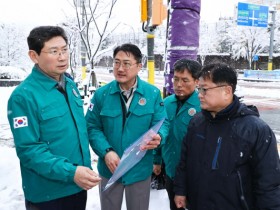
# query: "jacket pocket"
143,112
55,119
242,193
111,120
215,164
110,113
143,117
53,111
80,102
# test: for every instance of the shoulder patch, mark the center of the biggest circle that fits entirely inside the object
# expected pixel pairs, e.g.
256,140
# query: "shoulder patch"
142,101
90,108
192,111
20,122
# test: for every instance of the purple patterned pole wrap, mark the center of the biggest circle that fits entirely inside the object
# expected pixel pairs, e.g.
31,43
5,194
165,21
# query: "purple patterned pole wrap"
183,36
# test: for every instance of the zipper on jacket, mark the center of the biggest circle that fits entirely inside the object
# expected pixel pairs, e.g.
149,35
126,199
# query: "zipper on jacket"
123,111
215,159
242,197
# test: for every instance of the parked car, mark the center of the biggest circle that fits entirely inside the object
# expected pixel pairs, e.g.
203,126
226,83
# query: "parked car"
11,76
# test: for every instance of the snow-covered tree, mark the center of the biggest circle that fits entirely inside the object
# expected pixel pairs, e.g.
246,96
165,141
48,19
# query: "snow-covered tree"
94,24
247,42
13,46
208,40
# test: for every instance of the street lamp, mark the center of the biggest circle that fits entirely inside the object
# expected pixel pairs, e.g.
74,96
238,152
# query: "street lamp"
271,26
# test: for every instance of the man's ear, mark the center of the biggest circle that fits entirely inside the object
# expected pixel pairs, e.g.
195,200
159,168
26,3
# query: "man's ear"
139,66
33,56
228,90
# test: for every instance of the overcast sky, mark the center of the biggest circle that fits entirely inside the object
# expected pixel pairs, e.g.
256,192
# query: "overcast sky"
41,12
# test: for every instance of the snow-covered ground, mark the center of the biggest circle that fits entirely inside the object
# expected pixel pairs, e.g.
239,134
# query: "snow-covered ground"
11,195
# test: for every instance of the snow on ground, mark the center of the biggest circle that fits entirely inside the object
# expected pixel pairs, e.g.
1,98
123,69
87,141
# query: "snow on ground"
11,194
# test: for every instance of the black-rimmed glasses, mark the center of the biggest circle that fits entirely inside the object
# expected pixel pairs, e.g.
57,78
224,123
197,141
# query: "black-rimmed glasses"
203,91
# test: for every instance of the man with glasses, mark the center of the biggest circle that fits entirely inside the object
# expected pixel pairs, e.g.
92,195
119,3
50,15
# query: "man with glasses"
46,117
119,113
229,157
180,108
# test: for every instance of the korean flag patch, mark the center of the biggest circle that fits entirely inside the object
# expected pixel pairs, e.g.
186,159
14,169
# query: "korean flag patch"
20,122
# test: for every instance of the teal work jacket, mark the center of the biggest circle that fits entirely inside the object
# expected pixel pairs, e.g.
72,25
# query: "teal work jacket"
171,151
50,136
105,125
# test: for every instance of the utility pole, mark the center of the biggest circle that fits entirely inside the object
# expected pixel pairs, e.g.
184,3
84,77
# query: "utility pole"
150,47
151,10
151,57
83,47
183,36
272,26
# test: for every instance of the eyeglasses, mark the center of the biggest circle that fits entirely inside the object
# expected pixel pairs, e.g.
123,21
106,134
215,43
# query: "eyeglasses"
203,91
56,52
183,81
125,65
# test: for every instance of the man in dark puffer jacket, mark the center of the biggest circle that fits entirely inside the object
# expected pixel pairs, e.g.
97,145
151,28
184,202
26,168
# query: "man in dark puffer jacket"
229,157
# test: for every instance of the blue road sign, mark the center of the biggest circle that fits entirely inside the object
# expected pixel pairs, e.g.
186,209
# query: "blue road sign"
252,15
255,58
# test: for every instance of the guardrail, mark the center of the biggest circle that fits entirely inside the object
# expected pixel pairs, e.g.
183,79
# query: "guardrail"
262,74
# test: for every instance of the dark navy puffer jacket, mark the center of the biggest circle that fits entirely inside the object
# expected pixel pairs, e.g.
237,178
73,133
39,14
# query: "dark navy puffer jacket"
229,162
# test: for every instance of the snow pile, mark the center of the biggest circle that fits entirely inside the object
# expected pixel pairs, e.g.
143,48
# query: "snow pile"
11,72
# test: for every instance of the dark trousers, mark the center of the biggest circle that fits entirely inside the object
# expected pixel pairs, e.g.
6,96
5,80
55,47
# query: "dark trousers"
171,194
72,202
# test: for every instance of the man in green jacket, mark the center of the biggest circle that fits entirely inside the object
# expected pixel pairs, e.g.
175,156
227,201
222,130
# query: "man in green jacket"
46,117
180,108
119,113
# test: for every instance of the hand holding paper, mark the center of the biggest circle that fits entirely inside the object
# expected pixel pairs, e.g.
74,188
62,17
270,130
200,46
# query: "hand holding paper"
133,154
152,143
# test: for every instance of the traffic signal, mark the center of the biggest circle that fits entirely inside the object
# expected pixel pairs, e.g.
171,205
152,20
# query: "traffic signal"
144,10
159,12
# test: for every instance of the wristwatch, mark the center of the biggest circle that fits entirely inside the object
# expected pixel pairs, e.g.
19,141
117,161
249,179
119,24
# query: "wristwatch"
109,149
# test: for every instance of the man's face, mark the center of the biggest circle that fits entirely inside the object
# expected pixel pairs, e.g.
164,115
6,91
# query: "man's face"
184,84
54,57
214,97
126,69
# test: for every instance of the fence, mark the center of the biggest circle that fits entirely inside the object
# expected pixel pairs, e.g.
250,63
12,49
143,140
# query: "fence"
9,82
262,74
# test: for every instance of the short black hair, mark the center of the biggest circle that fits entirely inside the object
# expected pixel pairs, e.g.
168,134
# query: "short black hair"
192,66
129,48
39,35
220,73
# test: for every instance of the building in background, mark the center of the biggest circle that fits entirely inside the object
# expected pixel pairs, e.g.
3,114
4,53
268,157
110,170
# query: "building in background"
265,2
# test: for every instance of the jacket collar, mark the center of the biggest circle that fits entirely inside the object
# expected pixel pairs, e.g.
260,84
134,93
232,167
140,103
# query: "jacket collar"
44,80
233,110
191,100
115,88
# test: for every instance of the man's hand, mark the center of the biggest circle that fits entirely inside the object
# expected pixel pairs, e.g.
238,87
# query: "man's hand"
112,160
157,169
180,201
86,178
154,143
